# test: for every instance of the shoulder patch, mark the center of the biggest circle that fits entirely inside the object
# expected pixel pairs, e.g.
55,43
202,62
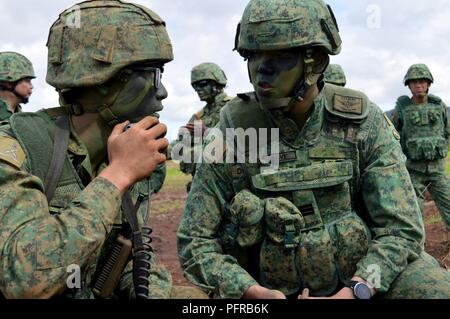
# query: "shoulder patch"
11,152
228,98
348,104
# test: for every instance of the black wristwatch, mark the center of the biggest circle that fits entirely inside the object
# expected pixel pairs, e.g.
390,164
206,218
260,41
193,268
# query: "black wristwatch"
360,289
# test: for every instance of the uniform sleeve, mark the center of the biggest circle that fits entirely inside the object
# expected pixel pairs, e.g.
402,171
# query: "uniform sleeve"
395,219
36,247
200,251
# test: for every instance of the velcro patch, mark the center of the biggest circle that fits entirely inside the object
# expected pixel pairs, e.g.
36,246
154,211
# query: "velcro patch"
348,104
288,157
11,152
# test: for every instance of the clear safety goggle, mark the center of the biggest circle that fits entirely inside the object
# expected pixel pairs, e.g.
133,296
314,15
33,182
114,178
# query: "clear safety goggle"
157,72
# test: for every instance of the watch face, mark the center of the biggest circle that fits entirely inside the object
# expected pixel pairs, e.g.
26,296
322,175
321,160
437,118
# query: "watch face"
362,291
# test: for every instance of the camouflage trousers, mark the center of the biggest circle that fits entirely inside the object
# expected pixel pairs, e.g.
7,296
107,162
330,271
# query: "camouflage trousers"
422,279
438,184
187,292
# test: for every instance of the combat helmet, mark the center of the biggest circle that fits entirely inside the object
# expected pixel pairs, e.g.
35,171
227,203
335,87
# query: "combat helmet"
279,24
93,40
416,72
334,74
15,67
208,71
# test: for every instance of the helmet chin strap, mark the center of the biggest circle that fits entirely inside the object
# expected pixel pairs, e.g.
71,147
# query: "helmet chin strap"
309,79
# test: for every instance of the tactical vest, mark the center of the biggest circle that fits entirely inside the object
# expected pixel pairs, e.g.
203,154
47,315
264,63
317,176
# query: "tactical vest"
35,133
317,243
423,129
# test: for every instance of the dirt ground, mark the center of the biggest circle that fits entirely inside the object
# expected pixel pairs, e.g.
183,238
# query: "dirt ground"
165,224
437,237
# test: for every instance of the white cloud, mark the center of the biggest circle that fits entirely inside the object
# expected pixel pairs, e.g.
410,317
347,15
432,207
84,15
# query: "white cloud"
375,60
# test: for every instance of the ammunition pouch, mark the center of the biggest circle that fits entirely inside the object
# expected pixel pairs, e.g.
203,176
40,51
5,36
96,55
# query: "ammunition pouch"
244,227
426,148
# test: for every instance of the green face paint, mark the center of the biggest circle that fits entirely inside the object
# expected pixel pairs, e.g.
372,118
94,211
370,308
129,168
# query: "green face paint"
275,74
205,90
141,96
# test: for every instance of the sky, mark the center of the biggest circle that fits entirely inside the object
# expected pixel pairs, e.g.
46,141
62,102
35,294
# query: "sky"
381,39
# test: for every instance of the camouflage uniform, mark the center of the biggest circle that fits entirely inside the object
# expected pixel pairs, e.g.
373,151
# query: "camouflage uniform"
13,68
39,242
5,113
40,239
341,203
334,74
210,113
425,136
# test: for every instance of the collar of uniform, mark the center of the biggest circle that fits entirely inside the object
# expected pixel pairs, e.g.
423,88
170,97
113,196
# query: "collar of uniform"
310,132
218,103
4,104
313,126
77,148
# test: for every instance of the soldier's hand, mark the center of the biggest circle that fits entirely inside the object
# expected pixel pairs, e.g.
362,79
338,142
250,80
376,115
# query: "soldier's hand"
260,292
191,127
135,153
344,293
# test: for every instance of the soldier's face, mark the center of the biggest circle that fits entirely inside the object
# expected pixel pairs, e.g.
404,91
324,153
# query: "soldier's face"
205,90
275,74
24,88
419,88
142,95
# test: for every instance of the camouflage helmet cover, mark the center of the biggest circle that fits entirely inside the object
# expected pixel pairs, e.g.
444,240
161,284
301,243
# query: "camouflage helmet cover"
14,67
334,74
92,41
286,24
208,71
416,72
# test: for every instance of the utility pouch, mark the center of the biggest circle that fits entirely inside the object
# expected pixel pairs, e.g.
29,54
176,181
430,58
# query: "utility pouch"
244,220
278,266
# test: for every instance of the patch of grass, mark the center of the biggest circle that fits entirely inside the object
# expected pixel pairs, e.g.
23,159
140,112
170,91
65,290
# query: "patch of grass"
175,180
172,196
433,219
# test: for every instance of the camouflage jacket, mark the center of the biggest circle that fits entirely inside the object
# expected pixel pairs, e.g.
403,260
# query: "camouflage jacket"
424,131
38,240
209,115
5,113
381,194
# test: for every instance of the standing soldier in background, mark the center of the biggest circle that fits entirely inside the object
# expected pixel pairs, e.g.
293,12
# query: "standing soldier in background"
334,74
339,215
16,73
209,81
423,124
78,208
